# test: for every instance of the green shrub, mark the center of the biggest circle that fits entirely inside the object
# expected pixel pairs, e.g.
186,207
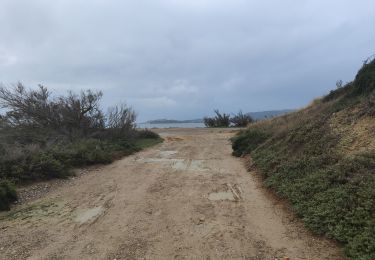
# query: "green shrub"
147,142
363,84
365,79
362,245
145,133
7,194
45,166
241,119
57,160
247,141
219,120
87,152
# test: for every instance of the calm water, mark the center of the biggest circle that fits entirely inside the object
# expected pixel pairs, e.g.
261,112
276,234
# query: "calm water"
172,125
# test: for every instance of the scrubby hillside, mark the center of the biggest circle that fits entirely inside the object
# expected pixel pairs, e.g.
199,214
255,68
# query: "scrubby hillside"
44,136
322,159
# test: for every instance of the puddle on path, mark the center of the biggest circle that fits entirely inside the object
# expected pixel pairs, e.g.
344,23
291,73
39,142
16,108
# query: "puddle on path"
88,214
221,195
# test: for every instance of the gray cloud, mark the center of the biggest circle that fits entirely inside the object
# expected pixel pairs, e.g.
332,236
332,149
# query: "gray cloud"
182,59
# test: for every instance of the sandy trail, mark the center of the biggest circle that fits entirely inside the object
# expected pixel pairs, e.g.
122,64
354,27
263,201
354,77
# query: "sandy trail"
186,198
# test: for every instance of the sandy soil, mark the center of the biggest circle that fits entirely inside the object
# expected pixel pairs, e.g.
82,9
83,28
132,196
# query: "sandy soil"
186,198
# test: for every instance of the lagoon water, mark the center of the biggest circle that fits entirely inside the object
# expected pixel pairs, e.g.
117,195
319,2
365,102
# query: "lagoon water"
171,125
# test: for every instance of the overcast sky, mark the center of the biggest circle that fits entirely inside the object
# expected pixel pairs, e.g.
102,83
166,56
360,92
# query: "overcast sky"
183,58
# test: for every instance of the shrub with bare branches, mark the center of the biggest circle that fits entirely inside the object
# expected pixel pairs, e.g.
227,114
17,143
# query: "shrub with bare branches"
219,120
121,118
38,109
43,137
224,120
241,119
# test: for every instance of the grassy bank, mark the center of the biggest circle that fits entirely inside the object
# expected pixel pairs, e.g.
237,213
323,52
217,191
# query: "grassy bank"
322,159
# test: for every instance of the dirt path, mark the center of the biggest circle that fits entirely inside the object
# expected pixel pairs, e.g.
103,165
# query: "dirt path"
186,198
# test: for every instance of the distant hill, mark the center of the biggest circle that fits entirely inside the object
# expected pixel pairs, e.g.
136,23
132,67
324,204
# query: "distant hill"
255,115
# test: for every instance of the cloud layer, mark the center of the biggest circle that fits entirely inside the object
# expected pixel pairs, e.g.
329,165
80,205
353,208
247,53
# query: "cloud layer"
181,59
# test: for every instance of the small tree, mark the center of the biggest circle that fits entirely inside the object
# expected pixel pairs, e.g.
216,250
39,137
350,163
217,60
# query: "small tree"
36,109
121,118
81,111
339,84
220,120
241,119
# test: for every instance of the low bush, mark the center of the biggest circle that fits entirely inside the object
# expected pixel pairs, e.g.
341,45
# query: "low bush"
145,133
363,85
225,120
247,140
83,152
45,166
241,119
7,194
58,160
365,79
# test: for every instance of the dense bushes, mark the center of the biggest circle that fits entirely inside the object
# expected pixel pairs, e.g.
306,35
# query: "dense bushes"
7,194
365,79
247,141
56,161
225,120
330,186
333,195
43,137
145,133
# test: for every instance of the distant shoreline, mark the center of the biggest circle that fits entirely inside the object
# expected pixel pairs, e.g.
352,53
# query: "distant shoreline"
255,115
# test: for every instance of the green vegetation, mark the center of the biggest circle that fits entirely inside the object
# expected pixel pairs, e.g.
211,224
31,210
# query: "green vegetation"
42,137
322,159
7,194
219,120
260,115
144,143
241,119
247,141
225,120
